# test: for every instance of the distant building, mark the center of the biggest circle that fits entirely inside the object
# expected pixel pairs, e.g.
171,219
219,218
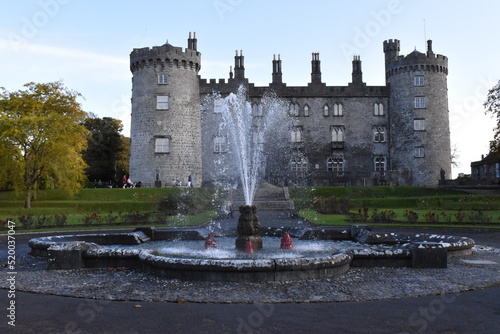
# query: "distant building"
487,170
396,134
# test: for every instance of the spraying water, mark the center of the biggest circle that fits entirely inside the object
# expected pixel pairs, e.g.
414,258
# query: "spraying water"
251,129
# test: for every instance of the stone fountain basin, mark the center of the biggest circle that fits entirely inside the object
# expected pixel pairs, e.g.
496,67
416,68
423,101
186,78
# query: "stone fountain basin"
408,250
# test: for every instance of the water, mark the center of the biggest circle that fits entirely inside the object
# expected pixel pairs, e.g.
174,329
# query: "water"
195,249
254,131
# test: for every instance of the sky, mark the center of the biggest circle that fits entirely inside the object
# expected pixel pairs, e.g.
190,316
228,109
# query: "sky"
87,45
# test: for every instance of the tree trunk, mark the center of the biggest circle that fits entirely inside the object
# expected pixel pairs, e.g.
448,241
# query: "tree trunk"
27,204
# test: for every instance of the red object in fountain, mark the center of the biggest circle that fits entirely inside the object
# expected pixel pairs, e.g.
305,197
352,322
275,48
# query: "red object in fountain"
248,247
286,241
210,241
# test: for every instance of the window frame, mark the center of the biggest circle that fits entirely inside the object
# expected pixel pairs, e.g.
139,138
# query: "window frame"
160,147
418,81
379,134
162,78
162,105
420,102
422,124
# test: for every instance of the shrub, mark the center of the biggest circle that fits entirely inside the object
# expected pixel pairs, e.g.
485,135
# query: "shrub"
42,221
360,216
136,217
27,221
431,217
411,216
479,217
189,202
460,216
60,220
386,216
332,205
110,218
91,219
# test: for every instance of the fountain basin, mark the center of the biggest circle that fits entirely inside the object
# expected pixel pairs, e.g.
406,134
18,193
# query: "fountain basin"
364,248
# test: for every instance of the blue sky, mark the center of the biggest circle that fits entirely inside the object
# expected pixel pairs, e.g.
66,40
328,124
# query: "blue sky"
87,45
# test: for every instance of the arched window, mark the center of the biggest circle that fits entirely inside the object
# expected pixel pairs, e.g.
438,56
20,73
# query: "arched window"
298,166
306,111
337,109
326,110
294,109
257,109
296,134
379,134
220,144
378,109
337,134
380,163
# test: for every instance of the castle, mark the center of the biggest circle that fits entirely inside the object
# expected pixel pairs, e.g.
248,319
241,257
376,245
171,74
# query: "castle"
396,134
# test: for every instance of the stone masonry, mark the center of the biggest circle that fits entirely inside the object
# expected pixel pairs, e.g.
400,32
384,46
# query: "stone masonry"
396,134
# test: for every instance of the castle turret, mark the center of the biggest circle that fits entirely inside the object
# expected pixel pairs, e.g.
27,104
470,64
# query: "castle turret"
315,69
166,122
419,120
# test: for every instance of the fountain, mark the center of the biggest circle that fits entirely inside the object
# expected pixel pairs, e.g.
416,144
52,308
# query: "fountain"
194,254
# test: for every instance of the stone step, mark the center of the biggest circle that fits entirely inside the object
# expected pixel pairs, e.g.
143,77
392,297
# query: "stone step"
266,205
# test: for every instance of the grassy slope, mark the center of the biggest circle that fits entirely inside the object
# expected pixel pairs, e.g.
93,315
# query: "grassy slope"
399,199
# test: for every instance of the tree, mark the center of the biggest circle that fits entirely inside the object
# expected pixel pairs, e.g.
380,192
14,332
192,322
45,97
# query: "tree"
492,106
105,149
41,139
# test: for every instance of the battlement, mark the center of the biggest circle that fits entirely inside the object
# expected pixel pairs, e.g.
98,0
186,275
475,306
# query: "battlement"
165,55
414,61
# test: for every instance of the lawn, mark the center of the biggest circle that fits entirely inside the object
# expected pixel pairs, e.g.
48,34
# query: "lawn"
410,205
97,208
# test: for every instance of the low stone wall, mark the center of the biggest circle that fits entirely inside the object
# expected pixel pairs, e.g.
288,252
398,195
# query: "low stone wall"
417,250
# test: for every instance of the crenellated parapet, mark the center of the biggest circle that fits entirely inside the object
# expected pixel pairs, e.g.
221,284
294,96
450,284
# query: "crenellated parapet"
415,61
163,56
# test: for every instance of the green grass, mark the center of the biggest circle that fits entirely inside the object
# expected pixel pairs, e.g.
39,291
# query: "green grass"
342,220
105,203
442,202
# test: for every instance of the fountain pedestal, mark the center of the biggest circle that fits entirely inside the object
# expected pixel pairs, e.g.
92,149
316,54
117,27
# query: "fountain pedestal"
248,228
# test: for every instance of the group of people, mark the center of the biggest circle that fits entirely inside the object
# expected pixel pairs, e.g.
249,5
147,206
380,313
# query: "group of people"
178,183
127,182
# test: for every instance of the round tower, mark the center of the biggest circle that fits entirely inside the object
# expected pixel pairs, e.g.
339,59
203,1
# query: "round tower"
166,120
419,120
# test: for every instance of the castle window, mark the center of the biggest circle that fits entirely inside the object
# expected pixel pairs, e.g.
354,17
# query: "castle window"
296,135
298,166
419,80
306,111
420,102
335,164
162,145
257,109
293,109
326,110
337,109
337,134
161,102
419,152
162,78
220,144
419,124
378,109
379,162
218,105
379,134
